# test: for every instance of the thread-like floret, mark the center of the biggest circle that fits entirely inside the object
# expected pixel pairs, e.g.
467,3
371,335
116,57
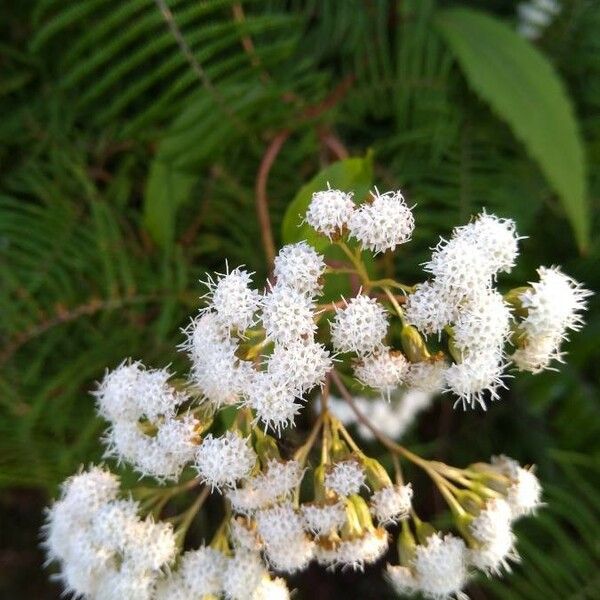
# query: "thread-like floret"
345,477
392,503
429,308
383,371
321,519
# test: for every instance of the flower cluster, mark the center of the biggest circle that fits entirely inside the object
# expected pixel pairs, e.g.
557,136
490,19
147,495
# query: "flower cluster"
258,355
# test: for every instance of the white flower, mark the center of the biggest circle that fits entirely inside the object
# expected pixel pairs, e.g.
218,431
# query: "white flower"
483,325
153,546
355,552
554,305
300,365
286,545
438,569
475,376
271,589
382,224
132,391
496,541
288,315
430,308
391,503
345,477
524,492
299,266
217,372
273,400
86,492
461,270
202,571
329,211
221,461
244,535
360,327
242,576
114,524
427,375
496,238
321,519
127,582
232,299
382,371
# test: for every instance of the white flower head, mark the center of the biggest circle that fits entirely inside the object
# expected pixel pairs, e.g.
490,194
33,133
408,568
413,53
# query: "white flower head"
321,519
232,299
474,377
496,541
382,224
244,535
300,365
461,270
202,571
383,371
288,315
524,494
537,354
483,324
359,327
273,400
221,461
392,503
299,266
115,524
355,552
153,546
243,574
438,569
127,582
271,589
89,490
495,237
427,375
131,391
430,308
329,211
345,477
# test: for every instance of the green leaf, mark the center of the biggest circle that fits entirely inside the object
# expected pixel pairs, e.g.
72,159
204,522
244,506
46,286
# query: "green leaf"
349,175
523,89
167,189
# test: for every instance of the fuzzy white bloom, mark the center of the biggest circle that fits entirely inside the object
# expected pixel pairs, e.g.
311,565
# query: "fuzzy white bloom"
244,535
383,223
461,270
114,525
321,519
483,325
430,308
287,547
474,377
438,569
524,492
288,315
202,571
392,503
496,541
299,266
383,371
233,300
216,371
300,365
345,477
329,211
131,391
355,552
277,482
360,327
427,375
554,305
496,238
273,400
243,574
221,461
127,582
153,547
271,589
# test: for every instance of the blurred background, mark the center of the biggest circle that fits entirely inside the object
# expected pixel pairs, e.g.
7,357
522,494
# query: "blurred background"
135,138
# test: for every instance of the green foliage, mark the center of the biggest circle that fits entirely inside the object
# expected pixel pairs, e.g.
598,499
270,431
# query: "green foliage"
522,87
126,173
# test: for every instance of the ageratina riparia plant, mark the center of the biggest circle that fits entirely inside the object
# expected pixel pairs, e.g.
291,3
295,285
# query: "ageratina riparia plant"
258,357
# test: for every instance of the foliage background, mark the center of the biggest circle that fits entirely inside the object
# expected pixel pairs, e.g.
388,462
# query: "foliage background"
129,168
